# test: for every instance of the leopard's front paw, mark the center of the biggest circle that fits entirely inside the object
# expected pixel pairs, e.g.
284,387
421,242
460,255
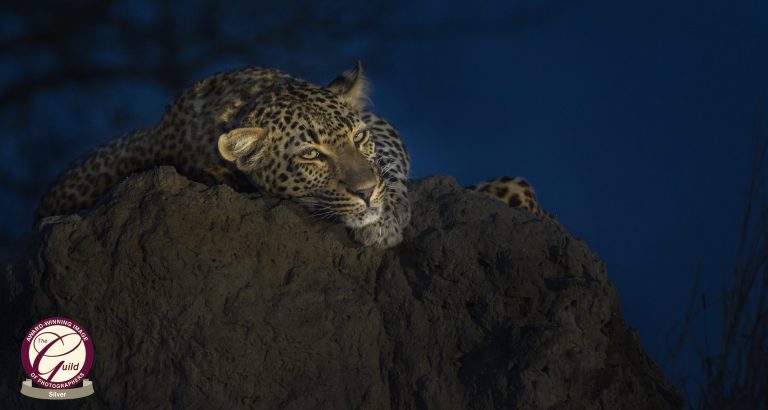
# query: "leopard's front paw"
388,230
380,234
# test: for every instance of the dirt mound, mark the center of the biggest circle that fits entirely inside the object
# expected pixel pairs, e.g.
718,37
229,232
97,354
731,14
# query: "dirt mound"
200,296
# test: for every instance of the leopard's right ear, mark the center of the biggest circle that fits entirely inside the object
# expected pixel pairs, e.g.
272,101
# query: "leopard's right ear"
243,146
352,86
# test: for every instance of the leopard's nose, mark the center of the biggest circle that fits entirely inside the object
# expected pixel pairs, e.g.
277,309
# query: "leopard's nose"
363,193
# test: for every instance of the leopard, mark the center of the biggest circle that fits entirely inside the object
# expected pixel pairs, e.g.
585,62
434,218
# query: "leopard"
516,192
264,130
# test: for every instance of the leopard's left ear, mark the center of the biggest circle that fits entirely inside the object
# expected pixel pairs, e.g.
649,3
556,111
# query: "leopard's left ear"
352,86
243,146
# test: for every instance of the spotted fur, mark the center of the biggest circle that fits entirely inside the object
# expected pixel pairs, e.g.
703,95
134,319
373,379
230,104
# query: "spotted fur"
264,129
513,191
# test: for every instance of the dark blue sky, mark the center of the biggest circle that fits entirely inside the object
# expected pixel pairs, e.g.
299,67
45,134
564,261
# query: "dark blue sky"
635,123
633,120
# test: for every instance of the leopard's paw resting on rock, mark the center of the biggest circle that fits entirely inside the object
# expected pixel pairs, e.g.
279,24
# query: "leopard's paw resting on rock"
380,234
388,230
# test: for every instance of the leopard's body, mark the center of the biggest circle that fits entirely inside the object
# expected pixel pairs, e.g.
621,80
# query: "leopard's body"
264,129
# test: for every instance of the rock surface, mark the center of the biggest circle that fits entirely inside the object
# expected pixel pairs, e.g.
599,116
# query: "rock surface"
200,296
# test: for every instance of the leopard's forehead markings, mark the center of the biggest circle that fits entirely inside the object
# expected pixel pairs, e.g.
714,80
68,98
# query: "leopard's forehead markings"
326,122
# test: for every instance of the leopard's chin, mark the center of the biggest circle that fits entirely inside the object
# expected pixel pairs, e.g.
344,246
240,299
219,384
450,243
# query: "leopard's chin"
370,215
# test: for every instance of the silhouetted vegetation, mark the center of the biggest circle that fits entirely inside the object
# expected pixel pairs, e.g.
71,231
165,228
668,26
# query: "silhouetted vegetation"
734,366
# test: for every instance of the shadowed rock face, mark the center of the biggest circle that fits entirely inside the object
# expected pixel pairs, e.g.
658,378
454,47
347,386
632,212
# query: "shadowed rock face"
201,296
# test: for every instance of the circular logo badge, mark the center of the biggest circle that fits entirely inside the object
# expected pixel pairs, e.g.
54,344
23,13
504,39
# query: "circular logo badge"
57,353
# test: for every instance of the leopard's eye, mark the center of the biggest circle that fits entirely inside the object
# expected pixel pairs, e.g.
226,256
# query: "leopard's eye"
360,137
310,154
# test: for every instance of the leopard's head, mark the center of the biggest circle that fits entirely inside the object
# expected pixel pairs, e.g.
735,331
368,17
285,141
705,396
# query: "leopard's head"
309,143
